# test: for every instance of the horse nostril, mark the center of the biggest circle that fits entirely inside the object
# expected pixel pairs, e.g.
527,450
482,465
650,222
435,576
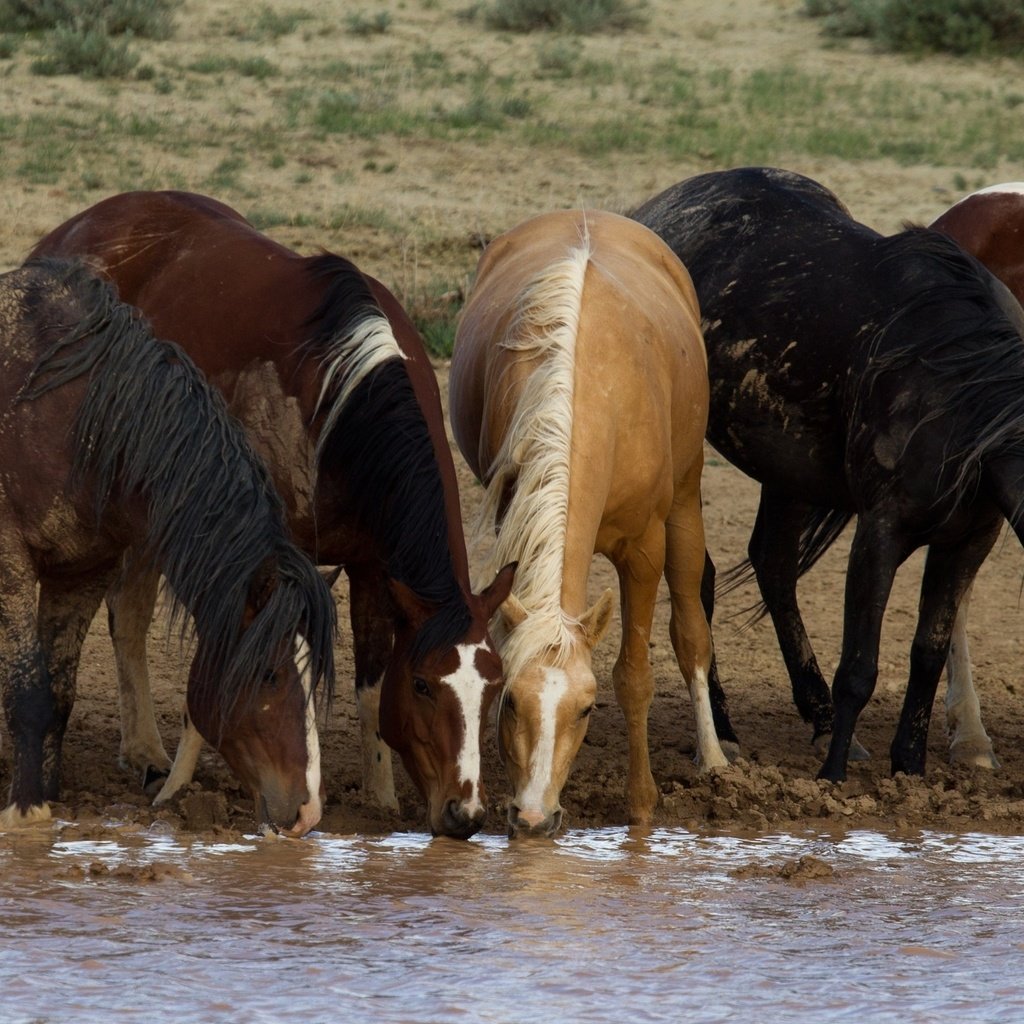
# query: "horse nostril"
459,824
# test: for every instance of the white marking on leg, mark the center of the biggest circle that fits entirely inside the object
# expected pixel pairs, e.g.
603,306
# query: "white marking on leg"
311,811
968,741
709,750
185,759
542,757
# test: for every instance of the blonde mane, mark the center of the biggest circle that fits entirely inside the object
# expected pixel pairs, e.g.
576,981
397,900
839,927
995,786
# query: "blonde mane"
533,462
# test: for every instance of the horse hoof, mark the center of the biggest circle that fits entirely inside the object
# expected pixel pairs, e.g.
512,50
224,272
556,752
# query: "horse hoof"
11,817
858,752
970,756
731,749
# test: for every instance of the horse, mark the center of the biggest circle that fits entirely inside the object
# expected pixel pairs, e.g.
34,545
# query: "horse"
853,375
989,224
331,380
578,394
111,441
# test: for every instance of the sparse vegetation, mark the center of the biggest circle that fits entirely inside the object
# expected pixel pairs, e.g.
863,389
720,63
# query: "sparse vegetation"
359,24
580,16
952,26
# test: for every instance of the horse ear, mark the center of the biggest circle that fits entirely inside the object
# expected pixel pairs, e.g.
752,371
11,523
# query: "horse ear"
262,584
499,589
413,608
330,576
513,612
595,622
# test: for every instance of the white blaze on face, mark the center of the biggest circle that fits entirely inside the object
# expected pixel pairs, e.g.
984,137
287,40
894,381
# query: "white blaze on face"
542,757
468,686
311,811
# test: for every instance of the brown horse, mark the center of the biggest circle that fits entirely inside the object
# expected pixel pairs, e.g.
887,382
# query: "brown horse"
579,395
110,440
330,378
989,224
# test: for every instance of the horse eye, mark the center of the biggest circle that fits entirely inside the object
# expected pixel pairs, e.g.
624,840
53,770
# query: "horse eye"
509,706
585,713
421,686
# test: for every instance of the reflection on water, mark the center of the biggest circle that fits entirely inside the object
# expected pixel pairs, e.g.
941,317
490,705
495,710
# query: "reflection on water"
608,925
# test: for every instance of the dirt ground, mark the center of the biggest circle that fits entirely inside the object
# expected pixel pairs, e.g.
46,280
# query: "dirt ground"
772,786
461,191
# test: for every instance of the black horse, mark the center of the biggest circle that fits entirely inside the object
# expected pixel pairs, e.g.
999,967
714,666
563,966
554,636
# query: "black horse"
854,374
111,441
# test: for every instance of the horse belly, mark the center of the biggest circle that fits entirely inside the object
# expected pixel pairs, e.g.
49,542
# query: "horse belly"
786,440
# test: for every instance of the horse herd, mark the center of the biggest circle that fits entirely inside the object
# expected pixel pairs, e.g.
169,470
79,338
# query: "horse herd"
291,419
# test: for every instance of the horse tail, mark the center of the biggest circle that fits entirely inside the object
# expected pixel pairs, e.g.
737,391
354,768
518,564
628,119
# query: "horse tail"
150,426
820,531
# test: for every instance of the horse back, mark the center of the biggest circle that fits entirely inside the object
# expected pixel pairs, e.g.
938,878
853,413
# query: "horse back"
201,273
990,225
639,377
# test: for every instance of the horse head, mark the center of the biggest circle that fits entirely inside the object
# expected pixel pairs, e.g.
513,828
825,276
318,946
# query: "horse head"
543,716
268,734
433,706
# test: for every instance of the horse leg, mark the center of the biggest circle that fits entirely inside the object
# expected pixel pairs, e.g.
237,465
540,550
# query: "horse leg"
185,759
130,604
774,555
686,563
66,611
948,575
719,702
372,639
874,558
639,574
969,744
28,701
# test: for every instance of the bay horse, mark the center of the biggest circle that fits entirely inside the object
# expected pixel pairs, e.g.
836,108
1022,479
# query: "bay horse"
110,441
331,380
989,224
854,374
578,394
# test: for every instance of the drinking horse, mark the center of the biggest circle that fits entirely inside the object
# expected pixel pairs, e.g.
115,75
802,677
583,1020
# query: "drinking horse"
854,374
110,441
578,394
989,224
330,379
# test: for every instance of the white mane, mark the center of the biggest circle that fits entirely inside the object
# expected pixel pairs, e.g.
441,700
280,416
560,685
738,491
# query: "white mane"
349,361
533,462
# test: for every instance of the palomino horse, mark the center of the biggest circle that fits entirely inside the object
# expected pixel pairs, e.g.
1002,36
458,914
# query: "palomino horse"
578,393
989,224
330,378
854,374
112,440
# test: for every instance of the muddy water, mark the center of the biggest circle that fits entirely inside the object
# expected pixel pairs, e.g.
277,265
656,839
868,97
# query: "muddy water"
606,925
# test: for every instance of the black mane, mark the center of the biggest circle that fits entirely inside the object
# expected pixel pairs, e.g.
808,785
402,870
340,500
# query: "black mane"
151,426
955,327
380,450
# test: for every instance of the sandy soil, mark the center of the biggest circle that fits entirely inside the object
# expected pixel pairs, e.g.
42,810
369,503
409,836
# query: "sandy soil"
453,195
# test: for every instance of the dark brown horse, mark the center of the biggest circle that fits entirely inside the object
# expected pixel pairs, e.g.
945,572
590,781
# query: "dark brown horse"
854,374
109,441
330,378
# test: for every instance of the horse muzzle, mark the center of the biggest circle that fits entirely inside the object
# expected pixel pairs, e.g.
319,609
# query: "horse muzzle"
523,825
459,823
